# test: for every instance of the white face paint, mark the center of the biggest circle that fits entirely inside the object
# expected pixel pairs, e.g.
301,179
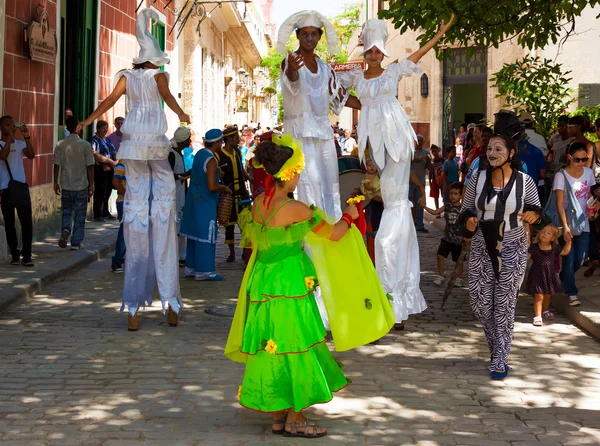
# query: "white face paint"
497,152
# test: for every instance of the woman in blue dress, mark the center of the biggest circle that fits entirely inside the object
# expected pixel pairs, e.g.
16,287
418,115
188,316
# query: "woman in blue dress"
199,221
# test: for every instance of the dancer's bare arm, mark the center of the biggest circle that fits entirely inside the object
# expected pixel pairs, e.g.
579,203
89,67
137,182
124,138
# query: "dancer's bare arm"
106,104
163,88
417,55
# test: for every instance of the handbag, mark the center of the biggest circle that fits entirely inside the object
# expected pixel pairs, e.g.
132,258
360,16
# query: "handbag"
18,192
573,212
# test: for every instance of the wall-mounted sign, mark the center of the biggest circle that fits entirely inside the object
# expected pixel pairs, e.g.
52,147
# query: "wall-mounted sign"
242,105
41,39
340,67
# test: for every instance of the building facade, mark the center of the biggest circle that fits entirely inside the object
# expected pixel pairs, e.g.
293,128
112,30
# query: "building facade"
456,88
222,51
94,39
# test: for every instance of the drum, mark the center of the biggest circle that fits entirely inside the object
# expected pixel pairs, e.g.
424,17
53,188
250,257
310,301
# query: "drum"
224,208
350,181
348,163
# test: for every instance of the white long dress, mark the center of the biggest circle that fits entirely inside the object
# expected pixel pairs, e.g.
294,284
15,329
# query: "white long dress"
391,137
306,117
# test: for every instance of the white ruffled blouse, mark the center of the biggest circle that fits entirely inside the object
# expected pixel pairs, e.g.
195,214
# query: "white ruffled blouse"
382,119
145,126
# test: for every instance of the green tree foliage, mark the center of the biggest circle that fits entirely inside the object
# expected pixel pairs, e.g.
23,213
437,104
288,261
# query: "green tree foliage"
487,23
344,23
538,87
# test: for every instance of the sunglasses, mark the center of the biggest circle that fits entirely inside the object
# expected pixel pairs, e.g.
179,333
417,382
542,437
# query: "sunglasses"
580,160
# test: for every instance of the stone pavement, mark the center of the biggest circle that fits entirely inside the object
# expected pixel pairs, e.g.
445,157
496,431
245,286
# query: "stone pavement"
52,263
71,374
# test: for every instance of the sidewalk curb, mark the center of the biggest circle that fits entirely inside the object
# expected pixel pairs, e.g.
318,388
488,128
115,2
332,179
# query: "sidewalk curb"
22,293
574,315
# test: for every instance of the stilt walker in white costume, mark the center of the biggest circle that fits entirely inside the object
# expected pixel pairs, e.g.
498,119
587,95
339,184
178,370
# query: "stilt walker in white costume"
309,86
150,218
385,127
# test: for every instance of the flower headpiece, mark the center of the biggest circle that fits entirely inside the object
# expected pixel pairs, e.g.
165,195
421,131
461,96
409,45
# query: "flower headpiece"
295,164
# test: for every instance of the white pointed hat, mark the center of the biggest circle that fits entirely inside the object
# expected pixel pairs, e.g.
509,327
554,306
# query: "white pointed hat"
375,33
303,19
149,48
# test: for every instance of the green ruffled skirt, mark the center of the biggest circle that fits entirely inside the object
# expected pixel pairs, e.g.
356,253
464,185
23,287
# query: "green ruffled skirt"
289,365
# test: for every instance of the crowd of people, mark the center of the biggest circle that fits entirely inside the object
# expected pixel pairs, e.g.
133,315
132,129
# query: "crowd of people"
506,194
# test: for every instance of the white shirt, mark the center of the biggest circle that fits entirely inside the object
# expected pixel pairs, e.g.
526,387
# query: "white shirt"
15,160
348,145
382,119
581,188
537,140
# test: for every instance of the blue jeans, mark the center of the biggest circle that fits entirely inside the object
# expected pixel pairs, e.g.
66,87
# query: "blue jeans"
119,256
573,261
414,195
74,206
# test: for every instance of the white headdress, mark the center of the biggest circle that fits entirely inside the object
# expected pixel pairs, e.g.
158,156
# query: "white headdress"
149,49
375,33
303,19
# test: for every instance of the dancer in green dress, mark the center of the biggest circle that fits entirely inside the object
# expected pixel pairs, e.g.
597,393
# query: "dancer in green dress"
277,330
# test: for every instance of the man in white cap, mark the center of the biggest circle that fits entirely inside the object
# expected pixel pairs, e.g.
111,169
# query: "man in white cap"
534,137
309,85
182,139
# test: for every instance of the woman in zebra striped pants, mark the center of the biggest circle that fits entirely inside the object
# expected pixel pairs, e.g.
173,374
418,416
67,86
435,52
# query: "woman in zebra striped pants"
498,201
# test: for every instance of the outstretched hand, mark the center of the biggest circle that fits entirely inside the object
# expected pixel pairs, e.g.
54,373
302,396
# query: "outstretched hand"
83,124
295,61
445,26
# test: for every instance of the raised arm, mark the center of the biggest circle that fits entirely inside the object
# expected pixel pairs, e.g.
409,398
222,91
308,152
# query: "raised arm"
417,55
106,104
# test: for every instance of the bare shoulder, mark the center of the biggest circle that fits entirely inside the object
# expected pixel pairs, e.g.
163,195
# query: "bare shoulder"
292,212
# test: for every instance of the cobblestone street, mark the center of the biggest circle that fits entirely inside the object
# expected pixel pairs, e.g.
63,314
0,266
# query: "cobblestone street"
71,374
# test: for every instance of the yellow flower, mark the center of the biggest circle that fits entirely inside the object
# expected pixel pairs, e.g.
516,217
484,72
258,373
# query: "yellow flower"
355,200
239,392
271,347
310,283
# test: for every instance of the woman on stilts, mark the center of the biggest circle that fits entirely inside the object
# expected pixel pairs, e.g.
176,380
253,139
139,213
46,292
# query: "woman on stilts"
150,217
384,126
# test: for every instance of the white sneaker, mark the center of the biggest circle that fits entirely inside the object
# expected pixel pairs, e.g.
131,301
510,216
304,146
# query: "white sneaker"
574,301
459,282
439,280
77,248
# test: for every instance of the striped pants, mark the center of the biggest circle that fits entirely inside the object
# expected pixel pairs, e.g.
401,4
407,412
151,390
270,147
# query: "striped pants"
494,300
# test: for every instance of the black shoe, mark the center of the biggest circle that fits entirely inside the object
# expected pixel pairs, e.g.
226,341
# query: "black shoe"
16,259
64,236
116,267
110,217
182,264
100,220
27,262
423,230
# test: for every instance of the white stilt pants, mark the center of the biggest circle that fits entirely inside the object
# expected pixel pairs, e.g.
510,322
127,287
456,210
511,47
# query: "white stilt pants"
150,230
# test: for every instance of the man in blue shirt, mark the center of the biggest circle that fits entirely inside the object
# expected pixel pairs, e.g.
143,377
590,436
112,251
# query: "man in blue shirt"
533,157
